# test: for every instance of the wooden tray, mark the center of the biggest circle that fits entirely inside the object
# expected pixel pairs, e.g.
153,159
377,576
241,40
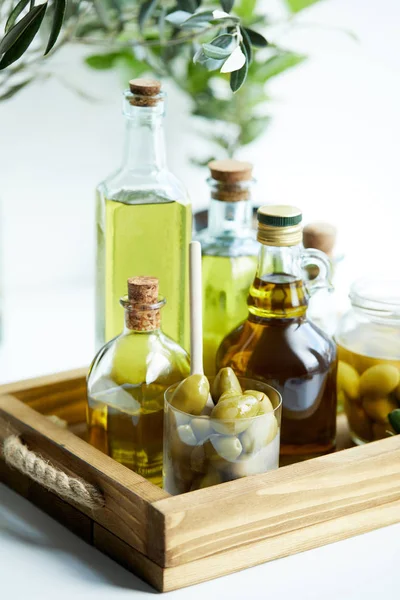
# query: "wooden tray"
173,542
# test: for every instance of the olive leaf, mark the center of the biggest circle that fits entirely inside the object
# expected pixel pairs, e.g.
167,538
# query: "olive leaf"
236,60
189,6
145,11
20,37
14,14
220,47
215,52
238,77
394,419
59,12
198,20
298,5
227,5
178,17
247,44
256,38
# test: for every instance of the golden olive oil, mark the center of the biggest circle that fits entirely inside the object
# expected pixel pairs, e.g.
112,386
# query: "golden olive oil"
226,283
140,235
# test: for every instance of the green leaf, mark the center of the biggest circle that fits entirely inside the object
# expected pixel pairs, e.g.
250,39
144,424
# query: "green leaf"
278,64
256,38
238,78
227,5
253,129
14,14
298,5
198,20
394,419
215,52
145,11
189,6
247,44
245,9
20,37
211,64
178,17
58,18
15,89
102,62
102,13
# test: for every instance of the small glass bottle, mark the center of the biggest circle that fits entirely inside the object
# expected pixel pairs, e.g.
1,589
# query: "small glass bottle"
368,339
127,381
279,345
229,251
144,219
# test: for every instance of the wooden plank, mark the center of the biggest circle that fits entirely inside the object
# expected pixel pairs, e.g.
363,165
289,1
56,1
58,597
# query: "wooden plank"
127,495
45,388
128,557
291,499
279,546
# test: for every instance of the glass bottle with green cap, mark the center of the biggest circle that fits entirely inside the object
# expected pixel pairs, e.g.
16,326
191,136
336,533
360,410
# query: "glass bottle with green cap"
278,344
229,249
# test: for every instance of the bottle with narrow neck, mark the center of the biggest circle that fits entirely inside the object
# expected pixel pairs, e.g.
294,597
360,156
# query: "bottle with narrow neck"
143,219
127,381
278,344
229,253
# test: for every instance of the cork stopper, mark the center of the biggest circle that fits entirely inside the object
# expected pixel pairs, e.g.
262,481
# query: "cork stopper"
230,171
230,180
321,236
146,92
142,293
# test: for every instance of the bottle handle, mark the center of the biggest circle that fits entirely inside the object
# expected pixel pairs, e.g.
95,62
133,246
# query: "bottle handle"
311,258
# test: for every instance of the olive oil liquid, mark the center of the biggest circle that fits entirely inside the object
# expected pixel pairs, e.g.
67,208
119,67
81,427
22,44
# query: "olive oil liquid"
278,345
136,236
125,410
226,283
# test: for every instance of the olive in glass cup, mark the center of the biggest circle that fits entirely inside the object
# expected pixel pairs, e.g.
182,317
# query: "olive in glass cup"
202,450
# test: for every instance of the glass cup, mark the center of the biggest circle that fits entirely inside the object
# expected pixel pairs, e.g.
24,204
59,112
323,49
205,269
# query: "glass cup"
200,451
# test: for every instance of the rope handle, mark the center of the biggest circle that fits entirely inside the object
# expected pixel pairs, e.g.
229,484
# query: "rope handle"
17,455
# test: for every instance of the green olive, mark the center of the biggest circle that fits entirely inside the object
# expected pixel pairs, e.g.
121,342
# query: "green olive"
265,460
348,381
191,394
198,460
231,416
341,399
265,404
186,435
201,428
260,433
378,408
359,423
379,380
225,381
212,477
227,447
228,394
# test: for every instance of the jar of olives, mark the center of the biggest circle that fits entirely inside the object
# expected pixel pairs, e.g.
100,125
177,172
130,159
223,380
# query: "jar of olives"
368,340
239,437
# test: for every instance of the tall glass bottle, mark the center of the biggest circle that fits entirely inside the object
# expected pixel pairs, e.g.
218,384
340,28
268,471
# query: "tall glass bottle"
279,345
127,381
143,219
229,252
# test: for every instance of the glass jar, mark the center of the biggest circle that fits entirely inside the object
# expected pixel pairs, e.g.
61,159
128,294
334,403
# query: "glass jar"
200,451
368,339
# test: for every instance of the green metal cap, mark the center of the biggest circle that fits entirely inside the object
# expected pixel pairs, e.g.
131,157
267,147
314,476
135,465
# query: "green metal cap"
279,215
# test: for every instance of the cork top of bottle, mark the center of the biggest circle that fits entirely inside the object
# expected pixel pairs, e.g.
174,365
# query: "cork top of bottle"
146,92
320,235
143,290
230,171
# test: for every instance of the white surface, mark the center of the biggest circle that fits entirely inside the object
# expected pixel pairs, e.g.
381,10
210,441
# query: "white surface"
41,559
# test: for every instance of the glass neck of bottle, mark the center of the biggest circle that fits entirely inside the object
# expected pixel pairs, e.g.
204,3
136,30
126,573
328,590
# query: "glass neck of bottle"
229,218
278,290
142,318
144,139
280,260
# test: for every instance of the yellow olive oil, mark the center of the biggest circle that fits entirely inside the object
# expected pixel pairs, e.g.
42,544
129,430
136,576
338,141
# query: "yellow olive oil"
142,235
226,283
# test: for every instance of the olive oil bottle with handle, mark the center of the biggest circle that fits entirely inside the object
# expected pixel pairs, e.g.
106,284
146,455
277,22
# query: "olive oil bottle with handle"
144,220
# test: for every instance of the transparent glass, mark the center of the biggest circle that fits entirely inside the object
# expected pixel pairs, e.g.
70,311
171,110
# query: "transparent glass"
200,451
279,345
368,339
144,223
229,251
125,395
